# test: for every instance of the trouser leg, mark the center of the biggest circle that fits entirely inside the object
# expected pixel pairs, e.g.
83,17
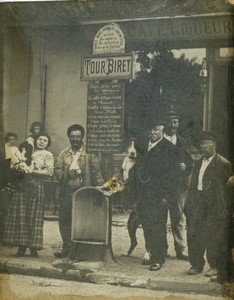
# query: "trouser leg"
159,243
217,242
155,235
197,241
178,226
196,248
65,212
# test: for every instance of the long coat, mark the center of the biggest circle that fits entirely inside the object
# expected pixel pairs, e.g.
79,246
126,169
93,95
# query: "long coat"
154,179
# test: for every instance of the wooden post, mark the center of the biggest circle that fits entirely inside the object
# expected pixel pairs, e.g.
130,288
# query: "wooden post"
208,97
3,174
2,148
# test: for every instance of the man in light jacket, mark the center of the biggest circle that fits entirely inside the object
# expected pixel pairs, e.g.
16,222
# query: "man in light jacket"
74,169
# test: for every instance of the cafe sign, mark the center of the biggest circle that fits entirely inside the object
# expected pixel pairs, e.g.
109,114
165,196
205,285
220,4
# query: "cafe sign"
107,67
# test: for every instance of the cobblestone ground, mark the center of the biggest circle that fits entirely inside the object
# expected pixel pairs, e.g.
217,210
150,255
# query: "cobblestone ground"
173,268
172,271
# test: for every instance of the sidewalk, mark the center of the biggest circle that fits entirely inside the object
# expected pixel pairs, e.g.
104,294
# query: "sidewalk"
127,271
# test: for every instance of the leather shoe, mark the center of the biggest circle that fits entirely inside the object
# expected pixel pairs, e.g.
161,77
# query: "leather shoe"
211,272
194,271
21,251
34,253
61,254
155,267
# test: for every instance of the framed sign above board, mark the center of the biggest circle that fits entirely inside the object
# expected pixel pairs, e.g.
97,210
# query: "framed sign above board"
117,66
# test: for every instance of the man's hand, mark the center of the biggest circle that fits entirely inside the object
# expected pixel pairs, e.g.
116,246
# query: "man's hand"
182,166
102,187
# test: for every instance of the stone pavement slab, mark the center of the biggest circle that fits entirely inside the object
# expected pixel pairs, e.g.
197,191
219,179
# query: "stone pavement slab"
126,271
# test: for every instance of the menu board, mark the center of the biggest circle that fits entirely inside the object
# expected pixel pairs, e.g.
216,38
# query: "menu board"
105,119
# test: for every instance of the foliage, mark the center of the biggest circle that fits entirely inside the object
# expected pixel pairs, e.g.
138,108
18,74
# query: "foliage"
164,83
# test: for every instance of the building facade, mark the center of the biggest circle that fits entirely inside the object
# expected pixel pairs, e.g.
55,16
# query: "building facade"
43,44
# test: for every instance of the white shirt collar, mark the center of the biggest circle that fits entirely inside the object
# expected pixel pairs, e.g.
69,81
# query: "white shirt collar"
152,145
171,138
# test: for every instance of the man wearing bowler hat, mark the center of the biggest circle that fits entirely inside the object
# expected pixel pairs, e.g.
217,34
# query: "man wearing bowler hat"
176,206
207,206
153,173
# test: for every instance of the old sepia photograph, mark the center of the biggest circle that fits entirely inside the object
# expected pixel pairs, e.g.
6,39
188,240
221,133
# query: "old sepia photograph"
117,149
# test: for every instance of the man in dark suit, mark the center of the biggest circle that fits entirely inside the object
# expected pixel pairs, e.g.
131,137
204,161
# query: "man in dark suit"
176,206
154,187
207,206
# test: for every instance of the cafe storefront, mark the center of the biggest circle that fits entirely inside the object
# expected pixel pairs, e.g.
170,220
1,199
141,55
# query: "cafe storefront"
45,42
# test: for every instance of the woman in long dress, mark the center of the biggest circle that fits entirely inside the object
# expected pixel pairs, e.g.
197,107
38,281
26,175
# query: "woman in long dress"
25,220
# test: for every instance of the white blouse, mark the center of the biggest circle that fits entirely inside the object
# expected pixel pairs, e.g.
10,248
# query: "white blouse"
43,160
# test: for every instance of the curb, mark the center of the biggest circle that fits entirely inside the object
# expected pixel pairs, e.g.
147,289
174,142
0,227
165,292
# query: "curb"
85,274
126,281
210,288
118,223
